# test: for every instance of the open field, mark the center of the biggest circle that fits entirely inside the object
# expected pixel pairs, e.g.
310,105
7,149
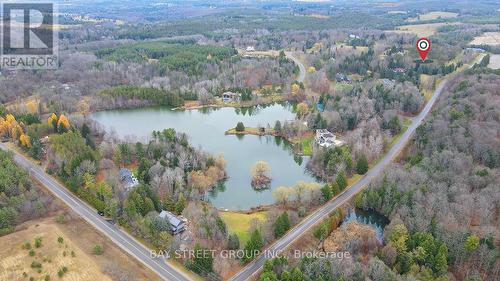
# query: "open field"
52,255
395,12
74,253
488,38
269,53
421,30
434,16
240,223
494,62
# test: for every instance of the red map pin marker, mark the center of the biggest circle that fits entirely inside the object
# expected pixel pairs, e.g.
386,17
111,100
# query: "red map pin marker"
423,47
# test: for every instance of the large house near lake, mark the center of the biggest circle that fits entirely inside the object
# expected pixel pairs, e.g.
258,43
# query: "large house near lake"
127,178
326,138
230,96
177,224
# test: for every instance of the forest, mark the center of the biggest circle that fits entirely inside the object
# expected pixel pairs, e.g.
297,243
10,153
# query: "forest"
187,57
446,187
20,199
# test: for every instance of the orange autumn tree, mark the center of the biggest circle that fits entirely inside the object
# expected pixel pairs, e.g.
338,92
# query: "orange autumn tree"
9,127
63,123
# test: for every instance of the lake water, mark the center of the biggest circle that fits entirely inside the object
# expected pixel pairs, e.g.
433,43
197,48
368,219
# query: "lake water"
371,218
205,128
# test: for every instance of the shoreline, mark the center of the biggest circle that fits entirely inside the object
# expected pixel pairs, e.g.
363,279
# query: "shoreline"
266,101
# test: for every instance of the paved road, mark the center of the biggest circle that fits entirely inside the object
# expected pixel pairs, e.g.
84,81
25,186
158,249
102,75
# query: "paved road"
119,237
302,68
319,215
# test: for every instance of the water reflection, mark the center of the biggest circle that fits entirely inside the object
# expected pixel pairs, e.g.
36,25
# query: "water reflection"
371,218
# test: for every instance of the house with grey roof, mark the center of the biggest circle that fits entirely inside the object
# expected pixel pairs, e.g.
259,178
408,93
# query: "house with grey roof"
177,224
127,178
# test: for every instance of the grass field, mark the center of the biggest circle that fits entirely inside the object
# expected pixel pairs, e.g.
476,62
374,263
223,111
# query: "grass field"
74,252
494,62
488,38
16,262
434,16
421,30
239,223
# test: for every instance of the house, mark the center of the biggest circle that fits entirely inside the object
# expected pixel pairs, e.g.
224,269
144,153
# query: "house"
388,82
128,180
341,77
325,138
399,70
177,224
250,49
475,50
353,36
230,96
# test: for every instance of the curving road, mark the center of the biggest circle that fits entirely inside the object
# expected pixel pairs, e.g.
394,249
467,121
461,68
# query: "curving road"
118,236
302,68
322,213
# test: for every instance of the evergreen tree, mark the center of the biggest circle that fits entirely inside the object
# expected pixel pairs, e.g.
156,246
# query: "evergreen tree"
201,263
180,205
240,127
277,127
341,180
326,191
233,242
362,165
253,246
440,265
282,225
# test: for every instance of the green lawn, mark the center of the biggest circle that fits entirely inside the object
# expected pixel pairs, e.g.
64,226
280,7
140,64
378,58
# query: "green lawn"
239,223
306,145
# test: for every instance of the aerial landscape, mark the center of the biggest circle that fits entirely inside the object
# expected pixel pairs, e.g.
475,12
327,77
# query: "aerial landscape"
322,140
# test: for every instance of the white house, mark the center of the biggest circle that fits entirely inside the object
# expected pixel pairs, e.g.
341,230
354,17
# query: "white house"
250,49
230,96
325,138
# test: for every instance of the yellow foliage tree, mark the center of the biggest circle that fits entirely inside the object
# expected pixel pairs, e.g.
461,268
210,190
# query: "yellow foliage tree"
32,106
15,131
10,119
4,127
302,109
52,120
295,89
311,69
63,121
25,140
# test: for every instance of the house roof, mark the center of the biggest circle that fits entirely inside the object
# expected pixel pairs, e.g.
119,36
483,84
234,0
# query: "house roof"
125,173
172,219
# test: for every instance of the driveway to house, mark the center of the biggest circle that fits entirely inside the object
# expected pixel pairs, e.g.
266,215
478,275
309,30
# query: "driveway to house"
280,245
125,241
302,68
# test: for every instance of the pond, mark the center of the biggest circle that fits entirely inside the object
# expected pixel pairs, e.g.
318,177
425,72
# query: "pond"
371,218
206,128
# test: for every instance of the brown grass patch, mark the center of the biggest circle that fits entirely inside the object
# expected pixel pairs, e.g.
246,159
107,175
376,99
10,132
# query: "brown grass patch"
488,38
434,16
79,238
421,30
